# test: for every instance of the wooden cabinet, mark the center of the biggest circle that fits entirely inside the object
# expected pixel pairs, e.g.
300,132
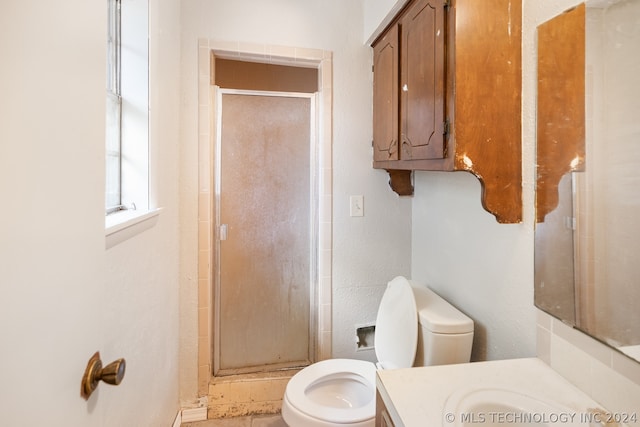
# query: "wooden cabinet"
383,419
447,97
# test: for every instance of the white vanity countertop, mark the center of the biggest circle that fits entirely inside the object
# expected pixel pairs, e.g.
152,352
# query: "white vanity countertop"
417,397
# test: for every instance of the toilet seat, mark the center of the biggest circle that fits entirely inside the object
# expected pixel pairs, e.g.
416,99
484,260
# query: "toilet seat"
361,374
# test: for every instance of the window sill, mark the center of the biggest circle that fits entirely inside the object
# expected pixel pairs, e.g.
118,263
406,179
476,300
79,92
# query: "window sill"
124,225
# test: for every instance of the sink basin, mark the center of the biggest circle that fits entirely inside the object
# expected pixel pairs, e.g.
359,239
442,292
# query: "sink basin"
499,393
489,407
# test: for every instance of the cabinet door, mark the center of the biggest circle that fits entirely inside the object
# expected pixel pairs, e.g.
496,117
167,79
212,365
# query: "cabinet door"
385,97
383,419
422,81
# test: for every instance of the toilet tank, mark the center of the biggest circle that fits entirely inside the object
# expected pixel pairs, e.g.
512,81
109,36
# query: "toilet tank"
445,334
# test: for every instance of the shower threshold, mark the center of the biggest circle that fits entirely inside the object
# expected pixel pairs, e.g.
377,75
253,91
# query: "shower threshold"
247,394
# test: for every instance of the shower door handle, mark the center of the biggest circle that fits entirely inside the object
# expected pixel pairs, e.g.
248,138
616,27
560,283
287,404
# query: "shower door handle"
223,232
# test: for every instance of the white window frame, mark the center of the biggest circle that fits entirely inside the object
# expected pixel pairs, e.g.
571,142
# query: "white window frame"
113,179
128,73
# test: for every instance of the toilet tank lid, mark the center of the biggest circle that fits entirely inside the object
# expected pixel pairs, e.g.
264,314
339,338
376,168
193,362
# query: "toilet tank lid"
437,315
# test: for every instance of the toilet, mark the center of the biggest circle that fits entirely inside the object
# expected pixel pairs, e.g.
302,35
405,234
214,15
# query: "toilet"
414,327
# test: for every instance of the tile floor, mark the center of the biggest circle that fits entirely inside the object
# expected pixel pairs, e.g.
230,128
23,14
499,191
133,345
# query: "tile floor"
250,421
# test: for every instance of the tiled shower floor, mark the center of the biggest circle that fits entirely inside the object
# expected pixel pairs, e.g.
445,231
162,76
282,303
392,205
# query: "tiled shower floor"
251,421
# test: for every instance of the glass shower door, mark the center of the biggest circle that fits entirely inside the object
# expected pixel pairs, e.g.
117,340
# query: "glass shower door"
265,208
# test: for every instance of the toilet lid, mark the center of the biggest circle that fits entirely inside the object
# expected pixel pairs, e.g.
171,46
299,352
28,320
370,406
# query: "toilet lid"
396,336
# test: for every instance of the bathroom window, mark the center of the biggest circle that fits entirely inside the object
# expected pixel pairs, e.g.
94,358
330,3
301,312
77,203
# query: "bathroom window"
114,109
127,117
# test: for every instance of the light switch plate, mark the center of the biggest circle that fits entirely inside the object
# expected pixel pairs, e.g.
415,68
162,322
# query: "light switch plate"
356,205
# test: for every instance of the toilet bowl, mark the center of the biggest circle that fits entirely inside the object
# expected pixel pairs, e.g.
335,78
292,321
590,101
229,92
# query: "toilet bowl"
333,392
413,323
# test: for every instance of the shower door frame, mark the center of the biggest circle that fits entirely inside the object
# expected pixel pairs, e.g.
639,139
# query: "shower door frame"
314,204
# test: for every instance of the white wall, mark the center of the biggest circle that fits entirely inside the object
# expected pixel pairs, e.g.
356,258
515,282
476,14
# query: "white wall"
377,15
609,377
367,251
62,295
482,267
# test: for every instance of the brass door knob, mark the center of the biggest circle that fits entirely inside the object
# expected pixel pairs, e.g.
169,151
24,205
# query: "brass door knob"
112,374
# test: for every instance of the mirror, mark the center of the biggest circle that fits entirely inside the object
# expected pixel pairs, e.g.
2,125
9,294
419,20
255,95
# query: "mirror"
587,236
